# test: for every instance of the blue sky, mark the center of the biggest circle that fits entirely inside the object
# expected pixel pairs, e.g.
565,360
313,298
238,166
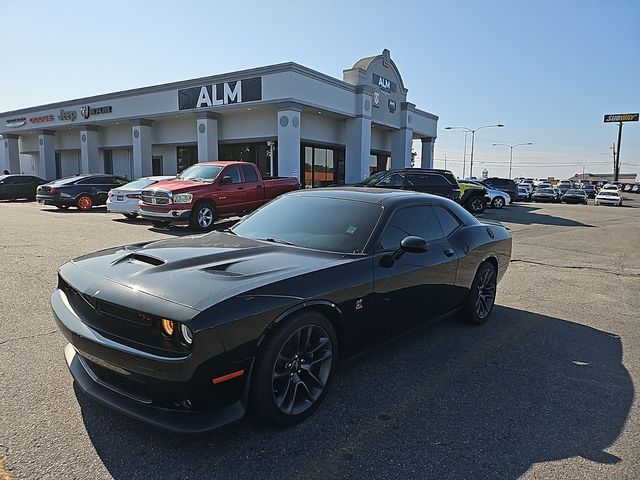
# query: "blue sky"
548,70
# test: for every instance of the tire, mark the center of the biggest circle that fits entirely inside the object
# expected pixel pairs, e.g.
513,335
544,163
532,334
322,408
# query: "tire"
475,310
301,353
203,216
497,202
476,205
84,202
160,223
130,216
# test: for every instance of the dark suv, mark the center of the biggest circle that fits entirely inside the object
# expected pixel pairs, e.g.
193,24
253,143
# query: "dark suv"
503,184
81,191
436,182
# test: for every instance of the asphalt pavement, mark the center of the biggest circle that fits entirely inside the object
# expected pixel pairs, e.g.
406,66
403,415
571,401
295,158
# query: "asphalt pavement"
543,390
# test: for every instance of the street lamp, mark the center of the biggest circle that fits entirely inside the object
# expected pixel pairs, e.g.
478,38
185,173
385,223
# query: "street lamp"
473,138
511,147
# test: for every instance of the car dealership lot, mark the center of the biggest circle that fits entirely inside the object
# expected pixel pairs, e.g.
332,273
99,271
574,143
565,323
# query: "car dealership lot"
543,390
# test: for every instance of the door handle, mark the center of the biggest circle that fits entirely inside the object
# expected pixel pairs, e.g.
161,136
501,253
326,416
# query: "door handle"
448,252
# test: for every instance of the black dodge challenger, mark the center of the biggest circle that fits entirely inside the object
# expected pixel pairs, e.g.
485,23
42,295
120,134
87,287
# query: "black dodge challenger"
188,334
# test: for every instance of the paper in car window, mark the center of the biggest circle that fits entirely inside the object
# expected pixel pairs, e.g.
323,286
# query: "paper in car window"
351,230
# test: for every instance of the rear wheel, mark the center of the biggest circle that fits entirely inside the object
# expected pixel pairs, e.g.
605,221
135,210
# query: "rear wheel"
203,216
498,202
482,296
293,370
130,216
84,202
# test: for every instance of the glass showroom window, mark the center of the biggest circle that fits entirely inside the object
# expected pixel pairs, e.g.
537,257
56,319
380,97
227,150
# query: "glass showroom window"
256,153
322,167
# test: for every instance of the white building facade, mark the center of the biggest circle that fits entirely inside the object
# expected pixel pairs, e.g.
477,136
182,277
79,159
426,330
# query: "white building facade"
287,119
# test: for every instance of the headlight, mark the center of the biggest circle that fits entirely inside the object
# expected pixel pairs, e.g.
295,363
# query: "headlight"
182,198
186,334
168,326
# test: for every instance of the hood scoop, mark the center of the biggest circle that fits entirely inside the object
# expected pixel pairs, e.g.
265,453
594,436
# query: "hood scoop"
141,259
222,270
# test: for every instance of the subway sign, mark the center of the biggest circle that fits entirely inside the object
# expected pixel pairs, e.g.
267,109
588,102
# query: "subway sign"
240,91
621,117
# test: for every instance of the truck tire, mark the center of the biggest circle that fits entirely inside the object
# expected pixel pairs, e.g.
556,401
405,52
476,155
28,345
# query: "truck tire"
476,204
203,216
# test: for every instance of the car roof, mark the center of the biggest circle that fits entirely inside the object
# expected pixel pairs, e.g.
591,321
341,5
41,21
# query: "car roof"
380,196
224,163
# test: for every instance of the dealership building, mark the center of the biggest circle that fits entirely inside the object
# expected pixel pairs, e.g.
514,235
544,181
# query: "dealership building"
288,119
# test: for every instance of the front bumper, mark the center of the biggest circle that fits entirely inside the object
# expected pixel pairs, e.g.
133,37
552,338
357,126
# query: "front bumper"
177,215
600,201
174,393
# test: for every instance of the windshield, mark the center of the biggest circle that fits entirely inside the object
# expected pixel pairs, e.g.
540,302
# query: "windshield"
575,192
609,194
546,190
138,184
373,179
321,223
205,173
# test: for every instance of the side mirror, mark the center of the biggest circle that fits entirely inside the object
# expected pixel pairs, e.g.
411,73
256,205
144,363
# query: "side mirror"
226,180
409,244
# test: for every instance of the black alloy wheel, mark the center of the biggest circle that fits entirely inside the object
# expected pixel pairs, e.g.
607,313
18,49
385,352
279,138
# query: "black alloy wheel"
203,217
498,202
477,205
296,364
482,296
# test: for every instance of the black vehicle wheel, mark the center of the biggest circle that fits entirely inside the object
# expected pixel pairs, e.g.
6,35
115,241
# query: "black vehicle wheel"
497,202
477,205
203,217
293,369
130,216
84,202
482,296
160,224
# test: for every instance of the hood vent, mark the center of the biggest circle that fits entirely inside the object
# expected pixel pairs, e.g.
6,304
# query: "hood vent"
140,259
222,271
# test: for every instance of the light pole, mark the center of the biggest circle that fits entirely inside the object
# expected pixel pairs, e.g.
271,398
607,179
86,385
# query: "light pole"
511,147
473,138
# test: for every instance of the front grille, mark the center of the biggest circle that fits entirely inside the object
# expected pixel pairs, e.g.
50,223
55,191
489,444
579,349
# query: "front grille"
155,197
119,382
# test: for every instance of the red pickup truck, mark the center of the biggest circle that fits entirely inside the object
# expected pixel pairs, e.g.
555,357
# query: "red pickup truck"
209,190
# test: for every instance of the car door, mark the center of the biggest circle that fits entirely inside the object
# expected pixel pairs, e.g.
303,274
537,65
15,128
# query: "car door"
100,187
230,196
436,184
254,193
417,287
7,188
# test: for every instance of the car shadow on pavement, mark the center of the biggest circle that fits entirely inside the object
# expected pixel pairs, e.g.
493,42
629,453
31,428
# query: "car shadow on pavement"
448,401
69,210
184,230
524,215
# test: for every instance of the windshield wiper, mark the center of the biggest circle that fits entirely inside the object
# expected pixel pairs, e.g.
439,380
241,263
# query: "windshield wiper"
276,240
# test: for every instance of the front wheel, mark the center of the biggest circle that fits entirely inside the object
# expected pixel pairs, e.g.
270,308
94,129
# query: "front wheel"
203,217
294,368
498,202
477,205
482,296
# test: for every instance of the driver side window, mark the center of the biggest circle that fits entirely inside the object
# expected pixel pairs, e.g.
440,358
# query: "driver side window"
420,221
234,172
392,181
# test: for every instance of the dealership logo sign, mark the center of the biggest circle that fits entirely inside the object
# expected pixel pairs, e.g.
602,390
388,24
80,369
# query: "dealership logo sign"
41,119
67,115
16,122
384,83
376,98
240,91
87,111
392,106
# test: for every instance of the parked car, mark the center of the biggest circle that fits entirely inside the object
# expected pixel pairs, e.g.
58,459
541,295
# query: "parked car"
14,187
523,194
498,198
544,185
82,191
545,195
611,187
210,190
635,188
528,186
627,187
125,199
473,196
504,185
564,188
608,197
186,333
590,190
436,182
575,196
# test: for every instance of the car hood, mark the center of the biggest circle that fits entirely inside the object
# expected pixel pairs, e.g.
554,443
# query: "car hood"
197,272
176,186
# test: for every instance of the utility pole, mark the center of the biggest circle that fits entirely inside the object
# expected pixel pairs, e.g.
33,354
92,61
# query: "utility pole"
616,172
464,155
